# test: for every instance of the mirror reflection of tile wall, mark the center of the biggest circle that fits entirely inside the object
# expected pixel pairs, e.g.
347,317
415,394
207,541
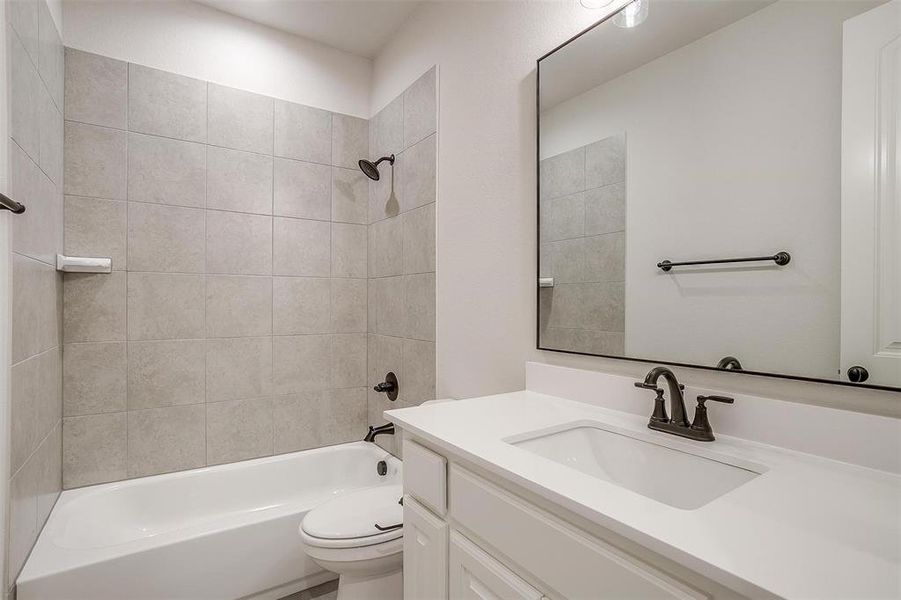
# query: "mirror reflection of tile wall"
582,247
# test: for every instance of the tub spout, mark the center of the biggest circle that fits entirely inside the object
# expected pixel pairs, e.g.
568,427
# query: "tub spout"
376,431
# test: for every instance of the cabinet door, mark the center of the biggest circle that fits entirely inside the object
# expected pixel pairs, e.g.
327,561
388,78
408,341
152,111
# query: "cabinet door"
475,575
425,553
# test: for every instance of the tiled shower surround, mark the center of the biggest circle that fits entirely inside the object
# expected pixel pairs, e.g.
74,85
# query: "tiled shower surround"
235,322
583,235
35,63
402,249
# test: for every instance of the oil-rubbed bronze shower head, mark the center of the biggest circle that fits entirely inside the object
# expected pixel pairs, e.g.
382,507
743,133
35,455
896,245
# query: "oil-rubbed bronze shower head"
371,169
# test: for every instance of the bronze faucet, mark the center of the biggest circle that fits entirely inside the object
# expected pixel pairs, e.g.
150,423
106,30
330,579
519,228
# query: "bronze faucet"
699,429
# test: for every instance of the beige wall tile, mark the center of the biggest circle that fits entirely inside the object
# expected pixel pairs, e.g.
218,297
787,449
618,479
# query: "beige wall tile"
301,248
348,305
302,190
37,232
94,378
384,194
343,416
349,250
349,360
419,373
50,138
162,103
238,430
94,449
37,305
166,373
296,421
388,307
350,196
420,306
95,227
166,239
301,363
24,116
386,130
300,305
239,181
95,161
386,248
418,167
421,108
49,467
94,307
161,440
303,132
350,140
238,306
166,171
238,244
23,515
165,306
419,239
96,89
239,119
238,368
25,392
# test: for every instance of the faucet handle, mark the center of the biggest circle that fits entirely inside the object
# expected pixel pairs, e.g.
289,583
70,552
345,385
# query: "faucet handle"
723,399
648,386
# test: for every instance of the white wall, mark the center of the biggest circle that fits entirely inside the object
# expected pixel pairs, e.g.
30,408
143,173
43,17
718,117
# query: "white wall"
734,149
199,41
486,236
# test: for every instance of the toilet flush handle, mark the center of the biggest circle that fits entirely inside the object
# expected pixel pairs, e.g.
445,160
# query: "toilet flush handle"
388,527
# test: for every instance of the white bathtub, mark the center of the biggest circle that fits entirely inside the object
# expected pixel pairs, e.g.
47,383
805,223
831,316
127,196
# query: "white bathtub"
222,532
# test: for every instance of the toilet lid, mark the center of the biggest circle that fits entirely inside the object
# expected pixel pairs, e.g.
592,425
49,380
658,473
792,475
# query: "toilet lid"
355,515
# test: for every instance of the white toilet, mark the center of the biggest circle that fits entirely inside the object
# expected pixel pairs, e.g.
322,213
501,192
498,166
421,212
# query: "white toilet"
341,536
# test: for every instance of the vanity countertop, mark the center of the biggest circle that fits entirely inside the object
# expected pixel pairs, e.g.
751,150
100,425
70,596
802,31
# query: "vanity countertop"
808,527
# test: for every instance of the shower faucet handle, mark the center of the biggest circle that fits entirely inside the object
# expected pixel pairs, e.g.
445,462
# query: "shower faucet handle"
390,386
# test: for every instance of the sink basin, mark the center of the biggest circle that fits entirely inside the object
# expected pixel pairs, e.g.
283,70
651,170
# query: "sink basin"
666,474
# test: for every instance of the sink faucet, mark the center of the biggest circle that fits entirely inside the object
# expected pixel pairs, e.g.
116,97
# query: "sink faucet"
699,429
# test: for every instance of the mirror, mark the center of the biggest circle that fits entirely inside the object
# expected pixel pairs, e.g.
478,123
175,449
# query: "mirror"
720,186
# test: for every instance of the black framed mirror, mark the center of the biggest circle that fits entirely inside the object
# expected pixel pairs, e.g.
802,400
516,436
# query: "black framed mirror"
718,188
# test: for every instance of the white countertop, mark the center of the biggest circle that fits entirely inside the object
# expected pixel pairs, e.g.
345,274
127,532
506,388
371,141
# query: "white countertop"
808,527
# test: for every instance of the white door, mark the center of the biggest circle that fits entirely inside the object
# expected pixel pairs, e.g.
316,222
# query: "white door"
425,553
871,195
475,575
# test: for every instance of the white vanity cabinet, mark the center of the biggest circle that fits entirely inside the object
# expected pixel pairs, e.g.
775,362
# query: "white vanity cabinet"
425,552
467,538
475,575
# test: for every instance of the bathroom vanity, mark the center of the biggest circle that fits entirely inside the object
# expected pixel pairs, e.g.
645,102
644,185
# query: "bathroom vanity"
531,495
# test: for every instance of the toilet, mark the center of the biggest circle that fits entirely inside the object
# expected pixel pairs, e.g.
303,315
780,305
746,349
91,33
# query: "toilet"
341,536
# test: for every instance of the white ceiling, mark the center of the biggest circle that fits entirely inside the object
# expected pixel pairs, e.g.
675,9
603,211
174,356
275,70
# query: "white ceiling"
608,51
360,27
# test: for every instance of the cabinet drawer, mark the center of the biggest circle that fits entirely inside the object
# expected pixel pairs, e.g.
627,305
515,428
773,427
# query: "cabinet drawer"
425,476
569,561
474,575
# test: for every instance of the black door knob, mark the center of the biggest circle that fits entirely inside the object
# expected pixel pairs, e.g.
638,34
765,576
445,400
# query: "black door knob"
858,374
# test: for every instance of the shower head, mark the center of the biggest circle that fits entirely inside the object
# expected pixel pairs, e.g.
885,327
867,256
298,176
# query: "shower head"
371,169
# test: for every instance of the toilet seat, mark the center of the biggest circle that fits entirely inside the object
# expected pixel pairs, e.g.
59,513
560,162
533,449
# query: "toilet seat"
349,521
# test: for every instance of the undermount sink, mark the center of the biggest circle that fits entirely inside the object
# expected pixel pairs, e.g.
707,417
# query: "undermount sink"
665,474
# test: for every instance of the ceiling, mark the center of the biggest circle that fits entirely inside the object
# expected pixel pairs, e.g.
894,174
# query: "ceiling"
359,27
608,51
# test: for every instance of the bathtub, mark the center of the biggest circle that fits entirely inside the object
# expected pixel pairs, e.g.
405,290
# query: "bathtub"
229,531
